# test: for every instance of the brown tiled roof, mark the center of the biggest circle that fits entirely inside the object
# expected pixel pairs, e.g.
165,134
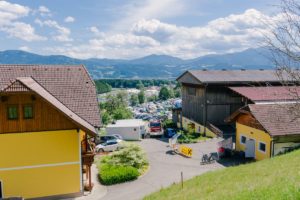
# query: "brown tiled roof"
37,88
272,93
71,85
278,119
233,76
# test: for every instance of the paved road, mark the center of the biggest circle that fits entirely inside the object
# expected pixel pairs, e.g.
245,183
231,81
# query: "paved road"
165,169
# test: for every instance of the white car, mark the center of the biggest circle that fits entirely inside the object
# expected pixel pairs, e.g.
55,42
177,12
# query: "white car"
110,145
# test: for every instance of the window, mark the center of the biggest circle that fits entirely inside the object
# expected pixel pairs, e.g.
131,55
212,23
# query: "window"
1,190
191,91
243,139
262,147
12,112
27,111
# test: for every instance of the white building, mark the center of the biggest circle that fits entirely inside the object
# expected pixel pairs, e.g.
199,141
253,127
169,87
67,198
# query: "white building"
129,129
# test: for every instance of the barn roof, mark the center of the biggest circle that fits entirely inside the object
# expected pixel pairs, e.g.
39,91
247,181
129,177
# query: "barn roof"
277,119
70,85
271,93
229,76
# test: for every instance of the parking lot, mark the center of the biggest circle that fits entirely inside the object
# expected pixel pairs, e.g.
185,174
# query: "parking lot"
165,169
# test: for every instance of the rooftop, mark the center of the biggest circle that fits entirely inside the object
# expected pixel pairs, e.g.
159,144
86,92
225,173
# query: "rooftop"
277,119
231,76
272,93
70,85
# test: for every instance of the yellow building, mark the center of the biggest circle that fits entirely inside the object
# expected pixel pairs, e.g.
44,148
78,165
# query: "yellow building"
266,130
47,114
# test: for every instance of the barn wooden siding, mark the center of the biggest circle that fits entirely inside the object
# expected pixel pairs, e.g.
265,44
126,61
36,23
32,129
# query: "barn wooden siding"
46,117
210,104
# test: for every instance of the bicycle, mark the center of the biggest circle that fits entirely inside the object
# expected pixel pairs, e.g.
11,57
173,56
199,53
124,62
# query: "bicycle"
208,158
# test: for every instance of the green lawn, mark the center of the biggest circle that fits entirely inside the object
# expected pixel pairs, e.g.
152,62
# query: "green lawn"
273,179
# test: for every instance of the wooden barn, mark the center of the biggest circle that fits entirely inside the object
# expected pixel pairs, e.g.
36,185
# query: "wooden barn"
207,99
47,114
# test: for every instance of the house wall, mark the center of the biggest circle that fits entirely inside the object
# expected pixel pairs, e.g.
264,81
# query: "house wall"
46,117
127,133
198,127
257,135
39,164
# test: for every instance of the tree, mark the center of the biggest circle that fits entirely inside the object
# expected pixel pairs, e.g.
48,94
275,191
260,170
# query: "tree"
164,93
140,85
134,100
152,98
177,92
105,116
171,92
141,97
283,41
121,113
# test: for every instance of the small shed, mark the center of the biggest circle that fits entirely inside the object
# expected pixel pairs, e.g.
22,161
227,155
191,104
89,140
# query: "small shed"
129,129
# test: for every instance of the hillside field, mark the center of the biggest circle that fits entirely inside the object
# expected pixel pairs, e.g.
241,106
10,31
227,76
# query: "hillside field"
277,179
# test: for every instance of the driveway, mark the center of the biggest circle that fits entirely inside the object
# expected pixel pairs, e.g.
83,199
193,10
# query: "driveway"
164,170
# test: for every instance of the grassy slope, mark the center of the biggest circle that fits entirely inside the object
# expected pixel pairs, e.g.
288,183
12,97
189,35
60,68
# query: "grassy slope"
276,179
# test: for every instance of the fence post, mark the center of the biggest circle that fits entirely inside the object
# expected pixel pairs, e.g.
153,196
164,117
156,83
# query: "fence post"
181,180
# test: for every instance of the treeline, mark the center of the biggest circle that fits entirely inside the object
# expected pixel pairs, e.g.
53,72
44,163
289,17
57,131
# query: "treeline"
105,85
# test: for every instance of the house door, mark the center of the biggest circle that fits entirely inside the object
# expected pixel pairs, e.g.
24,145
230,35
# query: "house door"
250,148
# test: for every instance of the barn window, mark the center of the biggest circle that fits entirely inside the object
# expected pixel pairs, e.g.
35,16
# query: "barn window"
243,139
191,91
28,111
12,112
262,147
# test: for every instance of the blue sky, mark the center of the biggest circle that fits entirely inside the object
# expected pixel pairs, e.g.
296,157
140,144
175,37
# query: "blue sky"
133,28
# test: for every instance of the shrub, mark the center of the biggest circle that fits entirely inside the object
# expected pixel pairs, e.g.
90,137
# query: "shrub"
116,174
123,165
169,124
130,155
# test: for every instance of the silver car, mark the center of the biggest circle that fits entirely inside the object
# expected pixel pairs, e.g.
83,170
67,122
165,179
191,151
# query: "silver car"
110,145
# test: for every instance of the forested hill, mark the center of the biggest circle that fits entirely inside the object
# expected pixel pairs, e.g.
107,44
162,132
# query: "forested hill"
149,67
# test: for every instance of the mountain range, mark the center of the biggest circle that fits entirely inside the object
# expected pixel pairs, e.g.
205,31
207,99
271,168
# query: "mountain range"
152,66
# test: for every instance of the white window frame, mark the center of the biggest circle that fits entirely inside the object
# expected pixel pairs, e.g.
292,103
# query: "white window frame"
260,142
241,139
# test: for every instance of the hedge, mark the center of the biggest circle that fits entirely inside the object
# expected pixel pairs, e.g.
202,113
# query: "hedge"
110,175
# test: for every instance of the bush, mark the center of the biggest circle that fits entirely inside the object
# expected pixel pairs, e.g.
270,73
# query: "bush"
130,155
169,124
123,165
117,174
188,138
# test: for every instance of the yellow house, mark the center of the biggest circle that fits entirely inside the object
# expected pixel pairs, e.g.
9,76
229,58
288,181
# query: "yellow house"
266,130
47,114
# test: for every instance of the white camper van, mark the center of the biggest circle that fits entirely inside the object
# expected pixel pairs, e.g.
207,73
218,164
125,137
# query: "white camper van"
129,129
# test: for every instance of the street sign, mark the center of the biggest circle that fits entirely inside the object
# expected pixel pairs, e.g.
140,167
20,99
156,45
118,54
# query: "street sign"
187,151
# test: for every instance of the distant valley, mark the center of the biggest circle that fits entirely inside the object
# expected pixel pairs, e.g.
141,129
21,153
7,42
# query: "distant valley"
149,67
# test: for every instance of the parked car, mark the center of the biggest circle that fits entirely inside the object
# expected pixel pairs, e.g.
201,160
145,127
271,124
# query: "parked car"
110,145
118,136
105,138
170,132
155,128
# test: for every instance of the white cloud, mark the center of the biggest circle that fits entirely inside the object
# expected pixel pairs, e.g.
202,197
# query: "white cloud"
24,48
10,14
149,9
63,33
94,30
22,31
69,19
44,11
223,35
